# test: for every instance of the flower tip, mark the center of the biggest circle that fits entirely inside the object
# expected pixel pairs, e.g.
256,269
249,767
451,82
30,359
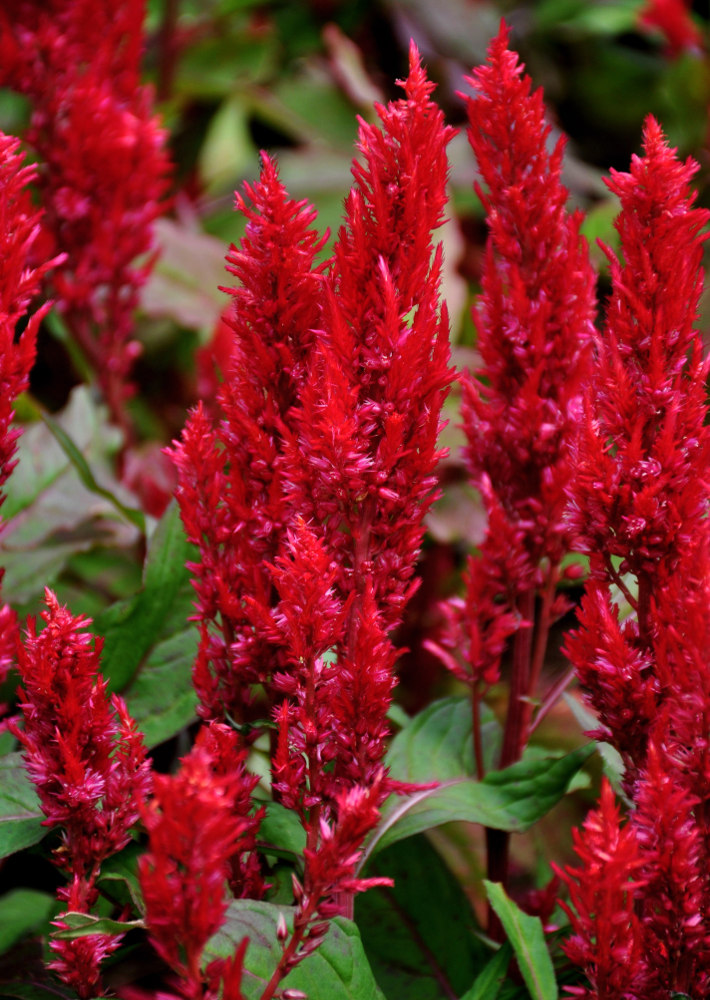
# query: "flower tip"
415,59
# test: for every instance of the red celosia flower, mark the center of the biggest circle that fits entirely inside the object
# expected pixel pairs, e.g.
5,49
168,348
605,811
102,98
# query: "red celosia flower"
331,860
308,502
673,19
88,763
616,675
20,279
82,750
78,961
534,321
105,166
362,464
194,831
608,936
318,403
674,900
641,496
230,489
535,317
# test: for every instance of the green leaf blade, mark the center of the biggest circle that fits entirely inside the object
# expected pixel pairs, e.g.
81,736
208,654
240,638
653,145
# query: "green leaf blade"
527,940
21,815
337,970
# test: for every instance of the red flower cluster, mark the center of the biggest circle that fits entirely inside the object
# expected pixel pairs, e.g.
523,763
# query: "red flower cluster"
607,931
88,764
521,408
674,20
639,499
640,503
307,503
321,472
231,488
104,166
198,826
20,279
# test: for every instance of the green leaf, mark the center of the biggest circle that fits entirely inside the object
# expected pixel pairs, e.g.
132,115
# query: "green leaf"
131,628
512,799
161,698
40,457
437,744
527,940
422,932
489,981
77,459
183,285
55,515
121,874
20,813
21,912
535,784
227,150
611,758
84,924
337,970
281,828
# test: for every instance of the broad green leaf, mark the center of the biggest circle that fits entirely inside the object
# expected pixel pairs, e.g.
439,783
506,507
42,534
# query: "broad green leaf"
227,149
422,932
21,912
83,470
20,813
131,628
119,877
84,924
512,800
56,516
337,970
41,459
611,758
489,981
436,745
281,828
161,697
316,109
397,716
183,285
527,940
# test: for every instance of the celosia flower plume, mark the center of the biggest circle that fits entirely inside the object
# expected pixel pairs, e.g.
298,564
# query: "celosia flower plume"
534,321
640,502
198,822
231,483
89,766
105,168
21,278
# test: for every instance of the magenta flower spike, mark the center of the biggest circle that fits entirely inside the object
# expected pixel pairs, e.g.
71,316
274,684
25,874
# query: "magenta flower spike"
363,462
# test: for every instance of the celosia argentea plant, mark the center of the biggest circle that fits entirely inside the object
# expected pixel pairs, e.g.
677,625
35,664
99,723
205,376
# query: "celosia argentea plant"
235,806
